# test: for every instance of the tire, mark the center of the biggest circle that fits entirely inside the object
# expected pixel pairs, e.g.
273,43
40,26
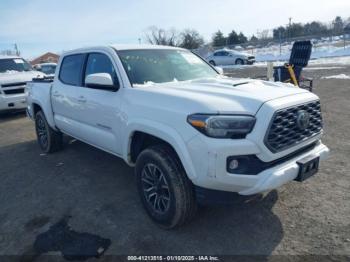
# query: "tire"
161,176
239,62
212,62
49,140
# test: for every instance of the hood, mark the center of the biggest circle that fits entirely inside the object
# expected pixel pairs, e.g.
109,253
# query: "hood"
18,77
218,95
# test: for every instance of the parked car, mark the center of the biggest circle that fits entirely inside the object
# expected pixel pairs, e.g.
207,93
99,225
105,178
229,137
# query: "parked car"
192,134
15,72
230,57
47,68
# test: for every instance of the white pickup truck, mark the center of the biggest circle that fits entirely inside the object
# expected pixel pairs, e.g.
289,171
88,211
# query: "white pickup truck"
15,72
193,135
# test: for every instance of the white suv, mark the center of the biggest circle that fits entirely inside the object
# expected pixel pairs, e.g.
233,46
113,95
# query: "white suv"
15,72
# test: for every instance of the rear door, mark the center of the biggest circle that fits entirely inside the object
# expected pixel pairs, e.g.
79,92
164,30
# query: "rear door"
66,95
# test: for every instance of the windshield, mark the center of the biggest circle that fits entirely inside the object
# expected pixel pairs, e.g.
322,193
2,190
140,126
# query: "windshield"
48,69
160,66
14,64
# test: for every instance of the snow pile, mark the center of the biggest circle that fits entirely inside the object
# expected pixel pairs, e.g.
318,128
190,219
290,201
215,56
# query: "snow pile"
341,76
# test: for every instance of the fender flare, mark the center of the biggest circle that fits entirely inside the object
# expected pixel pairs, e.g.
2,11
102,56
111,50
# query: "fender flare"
47,112
164,132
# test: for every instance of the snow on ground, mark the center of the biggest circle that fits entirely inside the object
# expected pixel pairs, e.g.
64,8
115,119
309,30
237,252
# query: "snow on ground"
324,68
328,63
331,60
275,52
340,76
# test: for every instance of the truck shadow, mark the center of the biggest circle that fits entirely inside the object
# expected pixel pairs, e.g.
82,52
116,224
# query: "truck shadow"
11,115
97,190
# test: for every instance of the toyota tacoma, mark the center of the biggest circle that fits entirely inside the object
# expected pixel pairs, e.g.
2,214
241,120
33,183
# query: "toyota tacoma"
193,135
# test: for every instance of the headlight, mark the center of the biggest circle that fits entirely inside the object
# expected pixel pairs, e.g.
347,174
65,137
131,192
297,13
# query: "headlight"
222,126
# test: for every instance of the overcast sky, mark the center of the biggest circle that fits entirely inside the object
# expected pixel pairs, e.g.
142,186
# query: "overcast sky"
38,26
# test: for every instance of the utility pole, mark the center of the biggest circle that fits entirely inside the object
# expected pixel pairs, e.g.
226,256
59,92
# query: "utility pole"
280,39
289,27
17,51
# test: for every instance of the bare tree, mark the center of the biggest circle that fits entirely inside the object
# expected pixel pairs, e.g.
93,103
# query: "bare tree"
190,39
160,36
264,34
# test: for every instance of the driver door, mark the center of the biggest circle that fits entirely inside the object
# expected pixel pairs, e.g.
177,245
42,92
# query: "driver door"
102,105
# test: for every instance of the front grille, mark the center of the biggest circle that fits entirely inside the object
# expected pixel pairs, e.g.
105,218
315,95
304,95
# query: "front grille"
14,84
14,91
284,131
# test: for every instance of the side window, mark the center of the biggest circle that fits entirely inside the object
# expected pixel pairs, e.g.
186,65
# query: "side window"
224,53
71,69
100,63
218,53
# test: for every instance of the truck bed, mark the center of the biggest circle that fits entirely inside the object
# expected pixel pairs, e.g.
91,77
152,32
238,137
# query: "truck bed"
39,93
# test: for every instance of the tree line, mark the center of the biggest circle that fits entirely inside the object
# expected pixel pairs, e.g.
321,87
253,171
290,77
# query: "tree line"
336,27
191,39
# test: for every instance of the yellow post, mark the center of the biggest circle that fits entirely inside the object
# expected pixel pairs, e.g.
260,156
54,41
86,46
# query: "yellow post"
292,74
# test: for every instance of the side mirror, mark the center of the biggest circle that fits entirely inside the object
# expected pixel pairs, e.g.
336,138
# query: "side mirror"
219,69
100,81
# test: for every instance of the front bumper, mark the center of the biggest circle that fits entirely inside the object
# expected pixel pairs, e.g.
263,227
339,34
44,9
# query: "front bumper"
277,176
13,102
210,165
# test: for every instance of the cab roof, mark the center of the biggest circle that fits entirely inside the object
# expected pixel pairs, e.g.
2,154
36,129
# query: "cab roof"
9,57
142,46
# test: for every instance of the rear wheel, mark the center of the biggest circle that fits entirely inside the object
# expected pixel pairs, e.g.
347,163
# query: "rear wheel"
166,192
49,140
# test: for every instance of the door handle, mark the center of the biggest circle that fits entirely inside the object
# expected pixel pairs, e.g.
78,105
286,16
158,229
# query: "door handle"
56,94
81,99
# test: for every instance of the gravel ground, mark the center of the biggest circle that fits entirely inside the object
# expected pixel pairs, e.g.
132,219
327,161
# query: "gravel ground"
97,192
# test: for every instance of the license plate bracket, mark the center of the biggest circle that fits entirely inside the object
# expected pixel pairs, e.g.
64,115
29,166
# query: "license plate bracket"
308,166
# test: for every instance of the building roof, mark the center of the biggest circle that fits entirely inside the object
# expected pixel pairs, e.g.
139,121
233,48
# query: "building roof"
43,58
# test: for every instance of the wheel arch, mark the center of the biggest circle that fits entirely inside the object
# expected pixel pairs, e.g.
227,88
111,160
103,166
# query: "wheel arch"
138,136
36,106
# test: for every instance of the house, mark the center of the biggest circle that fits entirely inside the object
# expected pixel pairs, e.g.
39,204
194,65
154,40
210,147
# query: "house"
46,58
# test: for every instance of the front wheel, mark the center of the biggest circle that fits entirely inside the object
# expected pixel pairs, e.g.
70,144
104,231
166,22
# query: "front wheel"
239,61
49,140
166,192
212,62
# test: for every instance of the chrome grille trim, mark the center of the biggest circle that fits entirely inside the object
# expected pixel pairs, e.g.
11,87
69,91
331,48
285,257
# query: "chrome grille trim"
283,132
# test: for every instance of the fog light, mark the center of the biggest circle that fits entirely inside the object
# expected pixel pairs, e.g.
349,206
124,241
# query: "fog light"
233,164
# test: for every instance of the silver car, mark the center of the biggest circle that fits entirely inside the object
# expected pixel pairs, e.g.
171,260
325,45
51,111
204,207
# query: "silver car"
230,57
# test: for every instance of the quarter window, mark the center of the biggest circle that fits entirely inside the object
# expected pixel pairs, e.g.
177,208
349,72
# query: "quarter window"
71,68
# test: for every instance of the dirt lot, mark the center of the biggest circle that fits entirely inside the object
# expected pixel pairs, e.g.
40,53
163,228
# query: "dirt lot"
97,192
